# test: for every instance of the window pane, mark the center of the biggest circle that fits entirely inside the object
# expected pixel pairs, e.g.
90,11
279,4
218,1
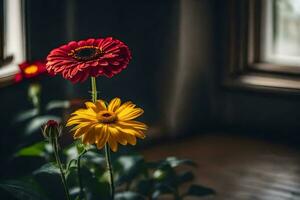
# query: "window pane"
1,31
13,44
287,27
282,34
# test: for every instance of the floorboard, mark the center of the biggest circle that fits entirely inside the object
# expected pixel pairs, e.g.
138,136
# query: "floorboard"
239,168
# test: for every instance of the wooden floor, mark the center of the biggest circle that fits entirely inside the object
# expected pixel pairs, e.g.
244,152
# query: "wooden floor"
239,168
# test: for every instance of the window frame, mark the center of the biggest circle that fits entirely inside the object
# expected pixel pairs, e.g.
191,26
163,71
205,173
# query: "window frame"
244,68
6,60
1,31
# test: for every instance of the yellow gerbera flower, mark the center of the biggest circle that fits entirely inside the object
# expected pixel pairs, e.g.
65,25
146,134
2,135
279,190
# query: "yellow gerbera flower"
98,123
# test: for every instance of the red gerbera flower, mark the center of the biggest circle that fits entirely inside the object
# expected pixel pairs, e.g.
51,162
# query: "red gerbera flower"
30,70
76,61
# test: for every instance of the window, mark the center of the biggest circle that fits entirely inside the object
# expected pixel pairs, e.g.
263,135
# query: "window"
264,43
12,42
282,32
1,32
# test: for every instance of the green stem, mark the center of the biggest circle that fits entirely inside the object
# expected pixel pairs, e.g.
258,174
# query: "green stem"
94,89
107,150
109,168
34,95
94,99
62,174
81,193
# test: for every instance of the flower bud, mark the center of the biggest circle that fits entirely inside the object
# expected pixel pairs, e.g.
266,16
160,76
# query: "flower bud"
34,92
52,129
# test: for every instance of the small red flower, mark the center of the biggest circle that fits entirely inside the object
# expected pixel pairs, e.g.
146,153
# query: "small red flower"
18,77
76,61
52,123
51,129
30,70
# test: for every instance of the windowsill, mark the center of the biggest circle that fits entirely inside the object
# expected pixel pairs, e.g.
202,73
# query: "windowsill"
264,83
7,74
273,67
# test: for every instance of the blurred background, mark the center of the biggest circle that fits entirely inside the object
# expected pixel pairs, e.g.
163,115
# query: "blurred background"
218,80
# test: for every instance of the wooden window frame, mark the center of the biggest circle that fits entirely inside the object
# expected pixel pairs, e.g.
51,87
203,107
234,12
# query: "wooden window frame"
244,68
1,32
6,60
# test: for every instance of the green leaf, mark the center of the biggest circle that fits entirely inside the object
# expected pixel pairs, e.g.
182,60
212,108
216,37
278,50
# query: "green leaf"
175,162
70,152
25,115
36,123
49,168
153,165
23,190
172,161
95,158
165,174
129,161
129,167
37,149
129,195
72,179
63,104
162,188
144,186
200,191
184,177
77,198
71,164
94,185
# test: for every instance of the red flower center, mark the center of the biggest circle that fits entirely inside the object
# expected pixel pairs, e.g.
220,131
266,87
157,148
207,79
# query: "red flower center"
86,53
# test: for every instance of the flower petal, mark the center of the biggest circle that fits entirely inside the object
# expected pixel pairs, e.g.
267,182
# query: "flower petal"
117,135
114,104
113,143
131,139
81,118
81,131
133,124
125,105
73,121
103,137
130,113
91,105
80,125
101,105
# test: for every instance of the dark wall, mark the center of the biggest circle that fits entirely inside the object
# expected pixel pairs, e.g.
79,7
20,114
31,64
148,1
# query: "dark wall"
177,48
171,46
149,28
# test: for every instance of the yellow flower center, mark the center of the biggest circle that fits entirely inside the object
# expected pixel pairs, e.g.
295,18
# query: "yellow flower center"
106,117
31,69
86,53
